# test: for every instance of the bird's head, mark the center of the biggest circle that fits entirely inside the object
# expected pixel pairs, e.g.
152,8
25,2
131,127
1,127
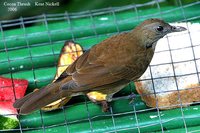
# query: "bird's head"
151,30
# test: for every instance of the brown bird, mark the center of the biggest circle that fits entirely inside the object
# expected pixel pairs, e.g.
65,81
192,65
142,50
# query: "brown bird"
104,69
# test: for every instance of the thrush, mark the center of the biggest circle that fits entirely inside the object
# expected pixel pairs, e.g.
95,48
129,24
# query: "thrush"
104,69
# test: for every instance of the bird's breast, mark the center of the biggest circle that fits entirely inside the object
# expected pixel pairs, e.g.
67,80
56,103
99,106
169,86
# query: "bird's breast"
140,62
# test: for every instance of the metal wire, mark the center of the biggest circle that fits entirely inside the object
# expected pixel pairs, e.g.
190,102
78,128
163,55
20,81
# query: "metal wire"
68,18
66,122
39,18
136,118
11,74
50,40
89,117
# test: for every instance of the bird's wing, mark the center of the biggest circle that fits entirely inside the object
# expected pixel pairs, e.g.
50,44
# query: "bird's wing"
95,69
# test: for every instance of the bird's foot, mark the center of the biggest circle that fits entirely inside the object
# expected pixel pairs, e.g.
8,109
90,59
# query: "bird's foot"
132,96
105,106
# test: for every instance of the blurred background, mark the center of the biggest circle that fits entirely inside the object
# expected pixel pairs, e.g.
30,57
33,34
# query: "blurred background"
73,6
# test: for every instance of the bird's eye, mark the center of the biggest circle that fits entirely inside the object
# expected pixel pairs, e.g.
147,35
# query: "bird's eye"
159,28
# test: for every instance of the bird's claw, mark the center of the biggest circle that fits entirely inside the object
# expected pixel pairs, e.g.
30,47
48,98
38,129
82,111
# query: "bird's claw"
132,96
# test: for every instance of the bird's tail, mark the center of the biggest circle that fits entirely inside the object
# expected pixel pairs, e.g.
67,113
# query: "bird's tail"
42,97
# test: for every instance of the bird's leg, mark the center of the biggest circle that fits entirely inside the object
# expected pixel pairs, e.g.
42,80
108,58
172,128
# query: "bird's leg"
109,97
105,106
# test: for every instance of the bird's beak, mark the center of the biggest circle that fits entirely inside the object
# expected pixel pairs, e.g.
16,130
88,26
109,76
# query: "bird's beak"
177,28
